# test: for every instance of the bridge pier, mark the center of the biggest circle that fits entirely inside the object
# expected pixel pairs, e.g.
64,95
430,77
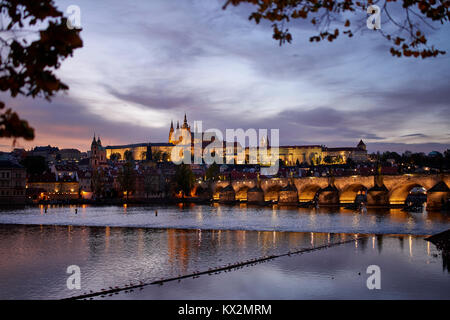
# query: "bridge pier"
329,196
288,195
378,196
381,190
255,195
227,195
437,196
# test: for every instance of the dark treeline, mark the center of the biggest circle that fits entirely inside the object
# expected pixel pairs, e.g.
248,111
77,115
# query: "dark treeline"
436,160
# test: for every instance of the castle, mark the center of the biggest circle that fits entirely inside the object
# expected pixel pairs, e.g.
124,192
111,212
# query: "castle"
290,155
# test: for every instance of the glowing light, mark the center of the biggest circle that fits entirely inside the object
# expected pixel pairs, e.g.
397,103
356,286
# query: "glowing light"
410,246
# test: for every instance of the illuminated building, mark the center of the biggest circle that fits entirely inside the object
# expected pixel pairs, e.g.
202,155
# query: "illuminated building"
358,154
290,155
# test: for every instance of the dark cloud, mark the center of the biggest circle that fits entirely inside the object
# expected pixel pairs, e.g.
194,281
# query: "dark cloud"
157,98
218,67
415,135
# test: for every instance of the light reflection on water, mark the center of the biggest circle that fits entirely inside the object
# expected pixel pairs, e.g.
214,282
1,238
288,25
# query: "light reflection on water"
412,272
240,217
34,259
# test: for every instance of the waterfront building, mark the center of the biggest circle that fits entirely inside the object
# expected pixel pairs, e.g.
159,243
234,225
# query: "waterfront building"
12,182
85,183
48,186
65,170
341,155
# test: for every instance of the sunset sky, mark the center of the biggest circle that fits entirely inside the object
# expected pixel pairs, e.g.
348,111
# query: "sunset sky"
148,63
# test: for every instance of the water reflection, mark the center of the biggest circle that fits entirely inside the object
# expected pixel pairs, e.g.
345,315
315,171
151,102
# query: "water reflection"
337,273
33,259
240,217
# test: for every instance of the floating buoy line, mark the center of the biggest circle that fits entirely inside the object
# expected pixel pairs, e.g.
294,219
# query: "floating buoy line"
226,268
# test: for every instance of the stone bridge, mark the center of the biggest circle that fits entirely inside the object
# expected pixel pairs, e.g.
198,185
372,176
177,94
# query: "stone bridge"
379,190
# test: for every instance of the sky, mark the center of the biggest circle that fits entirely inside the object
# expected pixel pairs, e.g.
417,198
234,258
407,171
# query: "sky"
150,62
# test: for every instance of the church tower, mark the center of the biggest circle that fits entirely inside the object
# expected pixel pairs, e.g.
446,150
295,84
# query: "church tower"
171,132
185,124
98,153
176,132
362,146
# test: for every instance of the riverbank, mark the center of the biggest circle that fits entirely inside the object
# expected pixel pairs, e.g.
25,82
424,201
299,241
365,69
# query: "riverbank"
215,216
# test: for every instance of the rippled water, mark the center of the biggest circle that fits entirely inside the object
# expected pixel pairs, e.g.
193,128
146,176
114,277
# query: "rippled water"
334,220
410,268
34,260
114,246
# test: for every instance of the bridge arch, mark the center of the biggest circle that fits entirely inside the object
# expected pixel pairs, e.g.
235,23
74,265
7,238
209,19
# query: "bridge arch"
199,190
399,194
216,193
349,193
308,192
272,193
241,194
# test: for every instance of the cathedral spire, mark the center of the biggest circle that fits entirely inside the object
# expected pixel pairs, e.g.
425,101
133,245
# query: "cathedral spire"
94,142
171,132
185,124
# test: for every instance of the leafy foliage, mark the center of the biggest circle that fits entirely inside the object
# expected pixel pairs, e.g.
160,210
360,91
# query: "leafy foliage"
35,165
127,178
408,160
115,156
128,155
213,172
324,13
160,156
27,67
98,182
152,182
184,179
